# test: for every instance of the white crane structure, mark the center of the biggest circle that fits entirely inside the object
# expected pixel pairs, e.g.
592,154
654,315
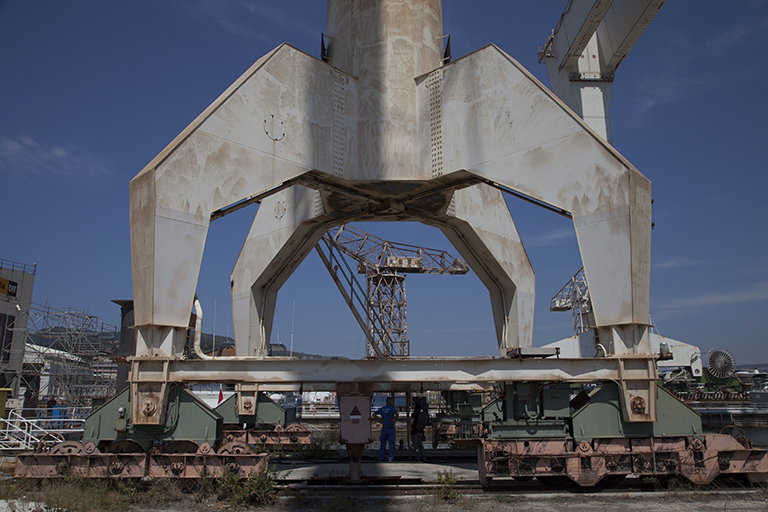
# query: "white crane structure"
385,128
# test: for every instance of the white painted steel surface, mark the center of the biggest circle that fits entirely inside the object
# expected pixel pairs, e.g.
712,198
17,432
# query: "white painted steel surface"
460,373
284,230
683,354
586,46
482,230
526,139
385,131
498,122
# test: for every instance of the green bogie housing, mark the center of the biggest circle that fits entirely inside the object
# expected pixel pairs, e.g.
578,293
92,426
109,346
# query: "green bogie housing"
187,418
267,411
546,410
601,417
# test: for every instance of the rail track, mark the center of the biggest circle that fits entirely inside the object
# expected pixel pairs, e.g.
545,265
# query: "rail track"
454,473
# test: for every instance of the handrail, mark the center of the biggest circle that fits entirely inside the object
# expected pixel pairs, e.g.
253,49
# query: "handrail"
23,433
20,430
15,265
319,411
76,412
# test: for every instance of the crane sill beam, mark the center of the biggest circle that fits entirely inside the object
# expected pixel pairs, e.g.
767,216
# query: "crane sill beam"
427,373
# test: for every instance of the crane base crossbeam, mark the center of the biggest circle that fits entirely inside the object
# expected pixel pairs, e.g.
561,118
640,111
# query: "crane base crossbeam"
428,373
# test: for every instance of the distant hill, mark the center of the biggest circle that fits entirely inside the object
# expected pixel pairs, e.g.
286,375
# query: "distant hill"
275,349
105,344
82,343
762,367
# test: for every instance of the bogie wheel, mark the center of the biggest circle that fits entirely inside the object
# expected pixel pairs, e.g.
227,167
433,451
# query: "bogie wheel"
235,448
67,448
558,481
125,447
180,447
90,448
49,441
738,435
611,480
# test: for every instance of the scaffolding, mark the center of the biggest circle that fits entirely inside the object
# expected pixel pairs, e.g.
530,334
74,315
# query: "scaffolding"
68,355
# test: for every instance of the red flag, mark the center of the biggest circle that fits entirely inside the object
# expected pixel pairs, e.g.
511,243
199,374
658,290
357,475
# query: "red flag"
221,394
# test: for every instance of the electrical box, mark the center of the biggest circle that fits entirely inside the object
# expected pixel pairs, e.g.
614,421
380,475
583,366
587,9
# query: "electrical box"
355,418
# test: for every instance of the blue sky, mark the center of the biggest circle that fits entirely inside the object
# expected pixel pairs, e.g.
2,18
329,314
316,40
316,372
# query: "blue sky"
92,91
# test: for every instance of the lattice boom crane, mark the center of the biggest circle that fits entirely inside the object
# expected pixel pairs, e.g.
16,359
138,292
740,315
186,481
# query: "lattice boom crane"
384,263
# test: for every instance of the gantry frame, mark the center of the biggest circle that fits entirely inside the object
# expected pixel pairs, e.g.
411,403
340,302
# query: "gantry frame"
383,129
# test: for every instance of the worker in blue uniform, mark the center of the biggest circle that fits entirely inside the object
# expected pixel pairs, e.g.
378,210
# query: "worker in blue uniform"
388,415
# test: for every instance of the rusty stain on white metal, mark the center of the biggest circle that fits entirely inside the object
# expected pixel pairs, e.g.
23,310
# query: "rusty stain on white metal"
383,129
556,159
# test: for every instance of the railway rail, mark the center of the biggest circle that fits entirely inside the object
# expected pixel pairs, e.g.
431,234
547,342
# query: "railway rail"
418,479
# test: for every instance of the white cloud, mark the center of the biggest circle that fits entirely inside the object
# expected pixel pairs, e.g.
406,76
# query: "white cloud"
735,38
25,158
246,18
757,292
686,71
681,262
662,90
552,238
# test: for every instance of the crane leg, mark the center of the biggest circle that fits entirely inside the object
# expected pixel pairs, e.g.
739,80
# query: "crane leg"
479,225
284,230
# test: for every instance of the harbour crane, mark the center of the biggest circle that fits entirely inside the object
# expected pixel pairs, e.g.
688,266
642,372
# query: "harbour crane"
384,264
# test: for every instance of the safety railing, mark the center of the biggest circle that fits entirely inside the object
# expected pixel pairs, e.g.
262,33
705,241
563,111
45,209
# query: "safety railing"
319,411
15,265
26,433
57,412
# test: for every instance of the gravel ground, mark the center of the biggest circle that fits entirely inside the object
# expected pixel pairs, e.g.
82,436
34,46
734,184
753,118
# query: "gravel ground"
720,501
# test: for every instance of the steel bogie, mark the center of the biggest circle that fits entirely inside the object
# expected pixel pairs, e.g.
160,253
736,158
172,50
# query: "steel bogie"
448,432
599,447
72,458
699,460
109,465
235,448
242,464
67,448
93,465
111,427
176,465
115,448
292,437
271,428
124,447
179,447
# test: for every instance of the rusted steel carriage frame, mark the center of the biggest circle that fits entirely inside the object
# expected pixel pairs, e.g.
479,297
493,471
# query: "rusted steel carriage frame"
138,465
286,439
449,432
700,459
